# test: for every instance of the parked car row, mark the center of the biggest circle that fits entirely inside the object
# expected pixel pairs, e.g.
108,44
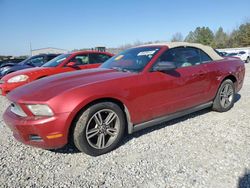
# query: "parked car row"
47,65
34,61
135,89
244,55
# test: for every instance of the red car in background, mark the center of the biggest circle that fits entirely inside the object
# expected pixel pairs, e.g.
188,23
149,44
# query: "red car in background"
63,63
135,89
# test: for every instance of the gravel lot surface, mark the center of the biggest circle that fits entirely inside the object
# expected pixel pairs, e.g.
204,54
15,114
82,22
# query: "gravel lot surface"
205,149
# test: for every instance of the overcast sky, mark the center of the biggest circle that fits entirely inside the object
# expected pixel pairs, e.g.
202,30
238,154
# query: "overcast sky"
78,24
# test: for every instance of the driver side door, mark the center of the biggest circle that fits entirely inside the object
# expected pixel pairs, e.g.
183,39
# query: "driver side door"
179,89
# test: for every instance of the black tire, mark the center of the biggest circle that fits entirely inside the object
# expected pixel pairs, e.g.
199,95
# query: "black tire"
88,121
248,60
219,99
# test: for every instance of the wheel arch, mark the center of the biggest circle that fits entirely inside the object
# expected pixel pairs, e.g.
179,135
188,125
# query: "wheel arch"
76,115
230,77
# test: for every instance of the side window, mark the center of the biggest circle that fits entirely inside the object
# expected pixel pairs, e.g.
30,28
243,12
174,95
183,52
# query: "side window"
37,61
182,56
204,57
81,59
51,57
98,58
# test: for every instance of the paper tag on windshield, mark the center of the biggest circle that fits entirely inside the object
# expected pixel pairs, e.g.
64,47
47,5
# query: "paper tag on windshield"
146,53
119,57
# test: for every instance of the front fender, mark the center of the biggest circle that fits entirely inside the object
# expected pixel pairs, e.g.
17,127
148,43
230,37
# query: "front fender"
76,100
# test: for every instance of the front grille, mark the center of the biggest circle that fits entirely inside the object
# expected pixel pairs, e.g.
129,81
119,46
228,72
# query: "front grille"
16,109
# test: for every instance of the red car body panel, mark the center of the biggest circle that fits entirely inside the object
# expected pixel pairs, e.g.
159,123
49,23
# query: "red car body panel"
145,95
41,72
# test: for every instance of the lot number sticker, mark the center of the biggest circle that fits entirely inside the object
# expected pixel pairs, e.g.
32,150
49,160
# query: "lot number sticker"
146,53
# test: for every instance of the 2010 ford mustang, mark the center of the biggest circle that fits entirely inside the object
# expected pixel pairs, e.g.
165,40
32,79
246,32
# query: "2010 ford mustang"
138,88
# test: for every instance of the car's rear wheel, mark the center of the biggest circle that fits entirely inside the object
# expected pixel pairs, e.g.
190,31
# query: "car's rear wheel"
99,129
248,60
225,97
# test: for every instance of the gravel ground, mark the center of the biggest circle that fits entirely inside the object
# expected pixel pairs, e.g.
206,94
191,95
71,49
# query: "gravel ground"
205,149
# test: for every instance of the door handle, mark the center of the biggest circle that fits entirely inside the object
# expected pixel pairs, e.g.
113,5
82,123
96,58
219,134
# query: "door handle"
200,74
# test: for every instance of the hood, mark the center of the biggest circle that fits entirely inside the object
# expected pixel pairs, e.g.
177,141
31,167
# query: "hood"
28,72
7,64
49,87
7,69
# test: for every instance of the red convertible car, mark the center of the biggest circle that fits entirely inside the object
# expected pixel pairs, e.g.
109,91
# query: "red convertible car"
63,63
138,88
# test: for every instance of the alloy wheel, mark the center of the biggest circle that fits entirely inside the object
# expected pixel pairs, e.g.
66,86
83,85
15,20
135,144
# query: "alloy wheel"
102,129
226,95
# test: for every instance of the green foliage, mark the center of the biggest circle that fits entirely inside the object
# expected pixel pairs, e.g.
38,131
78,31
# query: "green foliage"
190,37
243,35
202,35
239,37
233,39
220,39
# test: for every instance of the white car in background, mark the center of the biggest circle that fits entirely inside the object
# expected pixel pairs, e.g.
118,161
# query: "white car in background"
243,55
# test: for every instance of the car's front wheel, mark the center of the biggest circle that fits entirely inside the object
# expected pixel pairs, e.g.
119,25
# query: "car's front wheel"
99,128
225,97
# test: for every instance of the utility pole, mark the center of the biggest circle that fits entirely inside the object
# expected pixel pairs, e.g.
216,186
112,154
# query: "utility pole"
30,49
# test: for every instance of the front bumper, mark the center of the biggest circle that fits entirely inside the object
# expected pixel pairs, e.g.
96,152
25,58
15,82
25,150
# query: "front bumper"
46,132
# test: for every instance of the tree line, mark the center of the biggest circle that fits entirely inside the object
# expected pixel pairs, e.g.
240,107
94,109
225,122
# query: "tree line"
239,37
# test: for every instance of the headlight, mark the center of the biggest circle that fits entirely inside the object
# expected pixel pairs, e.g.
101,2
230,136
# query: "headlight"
40,110
19,78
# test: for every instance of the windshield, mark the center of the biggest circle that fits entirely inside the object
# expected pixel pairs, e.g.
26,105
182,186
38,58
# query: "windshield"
24,62
134,59
56,61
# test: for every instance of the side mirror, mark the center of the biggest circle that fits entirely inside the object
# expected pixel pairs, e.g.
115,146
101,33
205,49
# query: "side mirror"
72,64
164,66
